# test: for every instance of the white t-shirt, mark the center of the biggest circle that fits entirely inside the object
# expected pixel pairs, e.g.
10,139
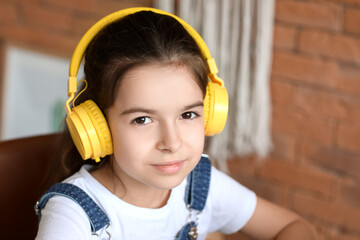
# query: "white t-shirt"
228,208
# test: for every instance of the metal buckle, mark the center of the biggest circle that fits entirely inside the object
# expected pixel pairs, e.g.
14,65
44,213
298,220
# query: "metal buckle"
193,233
106,230
36,208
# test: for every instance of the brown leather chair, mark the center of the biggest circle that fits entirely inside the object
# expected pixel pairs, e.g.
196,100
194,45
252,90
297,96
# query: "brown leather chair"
23,164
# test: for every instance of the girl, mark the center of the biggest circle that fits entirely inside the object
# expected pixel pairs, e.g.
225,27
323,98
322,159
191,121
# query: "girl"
147,74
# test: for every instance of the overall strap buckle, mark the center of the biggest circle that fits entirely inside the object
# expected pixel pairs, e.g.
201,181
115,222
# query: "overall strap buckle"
196,194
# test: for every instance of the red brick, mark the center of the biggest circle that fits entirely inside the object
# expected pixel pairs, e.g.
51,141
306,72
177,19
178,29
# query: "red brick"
281,92
349,137
107,7
244,170
97,7
96,10
312,14
349,80
332,159
340,214
285,146
268,190
348,192
352,20
303,69
53,19
297,176
356,2
301,125
7,12
327,104
335,46
80,6
284,37
19,2
263,188
60,45
82,24
244,165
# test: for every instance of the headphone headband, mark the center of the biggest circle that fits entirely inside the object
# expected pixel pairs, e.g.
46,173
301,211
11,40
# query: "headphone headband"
97,27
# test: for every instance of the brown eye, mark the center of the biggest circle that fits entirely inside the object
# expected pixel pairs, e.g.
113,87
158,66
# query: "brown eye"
189,115
141,120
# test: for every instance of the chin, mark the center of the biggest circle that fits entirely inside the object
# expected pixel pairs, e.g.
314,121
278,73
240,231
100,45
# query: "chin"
169,182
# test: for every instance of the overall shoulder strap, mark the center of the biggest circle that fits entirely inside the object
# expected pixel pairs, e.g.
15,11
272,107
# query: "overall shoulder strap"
197,188
196,193
97,217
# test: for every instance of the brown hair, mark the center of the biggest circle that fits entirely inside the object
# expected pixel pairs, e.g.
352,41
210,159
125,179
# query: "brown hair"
137,39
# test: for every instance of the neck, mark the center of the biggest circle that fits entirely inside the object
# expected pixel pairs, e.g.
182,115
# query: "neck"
147,199
138,194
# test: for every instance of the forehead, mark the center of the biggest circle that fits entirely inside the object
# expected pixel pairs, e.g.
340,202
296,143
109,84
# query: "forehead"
156,84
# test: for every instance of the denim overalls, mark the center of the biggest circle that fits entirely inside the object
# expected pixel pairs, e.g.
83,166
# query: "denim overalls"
196,193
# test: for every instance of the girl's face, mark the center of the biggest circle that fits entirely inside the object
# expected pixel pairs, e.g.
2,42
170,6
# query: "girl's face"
157,126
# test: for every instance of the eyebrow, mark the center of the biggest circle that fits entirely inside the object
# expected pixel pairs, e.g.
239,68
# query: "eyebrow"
151,111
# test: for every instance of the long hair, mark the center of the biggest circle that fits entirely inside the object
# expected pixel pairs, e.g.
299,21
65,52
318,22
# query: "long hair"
138,39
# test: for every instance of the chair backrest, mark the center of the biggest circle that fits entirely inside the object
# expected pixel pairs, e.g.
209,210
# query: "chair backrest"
23,165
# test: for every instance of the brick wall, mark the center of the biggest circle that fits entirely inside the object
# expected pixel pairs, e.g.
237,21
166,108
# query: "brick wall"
314,167
54,26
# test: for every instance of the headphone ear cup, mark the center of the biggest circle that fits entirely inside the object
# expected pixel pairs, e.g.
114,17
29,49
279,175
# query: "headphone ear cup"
216,104
89,131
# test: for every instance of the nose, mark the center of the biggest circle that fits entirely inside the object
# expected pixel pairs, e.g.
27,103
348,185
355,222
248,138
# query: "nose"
169,140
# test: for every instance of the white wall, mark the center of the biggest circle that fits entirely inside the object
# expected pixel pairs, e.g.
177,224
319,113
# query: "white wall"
35,93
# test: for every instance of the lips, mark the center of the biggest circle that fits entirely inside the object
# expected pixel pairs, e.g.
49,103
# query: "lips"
169,167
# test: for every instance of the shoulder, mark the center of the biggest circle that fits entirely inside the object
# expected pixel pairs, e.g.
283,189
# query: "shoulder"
62,218
229,201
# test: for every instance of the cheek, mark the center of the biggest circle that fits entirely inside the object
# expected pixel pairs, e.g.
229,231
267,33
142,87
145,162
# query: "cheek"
200,140
126,142
195,136
130,144
201,136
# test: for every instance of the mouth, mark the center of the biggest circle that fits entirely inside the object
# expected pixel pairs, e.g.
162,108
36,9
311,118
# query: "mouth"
169,167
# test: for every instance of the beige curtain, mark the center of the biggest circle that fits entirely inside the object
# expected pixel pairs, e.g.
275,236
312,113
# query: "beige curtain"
239,35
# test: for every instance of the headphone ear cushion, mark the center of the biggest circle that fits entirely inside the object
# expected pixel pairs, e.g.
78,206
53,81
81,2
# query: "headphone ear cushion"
89,131
216,106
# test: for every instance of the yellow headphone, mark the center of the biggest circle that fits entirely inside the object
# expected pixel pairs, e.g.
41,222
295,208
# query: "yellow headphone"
87,124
